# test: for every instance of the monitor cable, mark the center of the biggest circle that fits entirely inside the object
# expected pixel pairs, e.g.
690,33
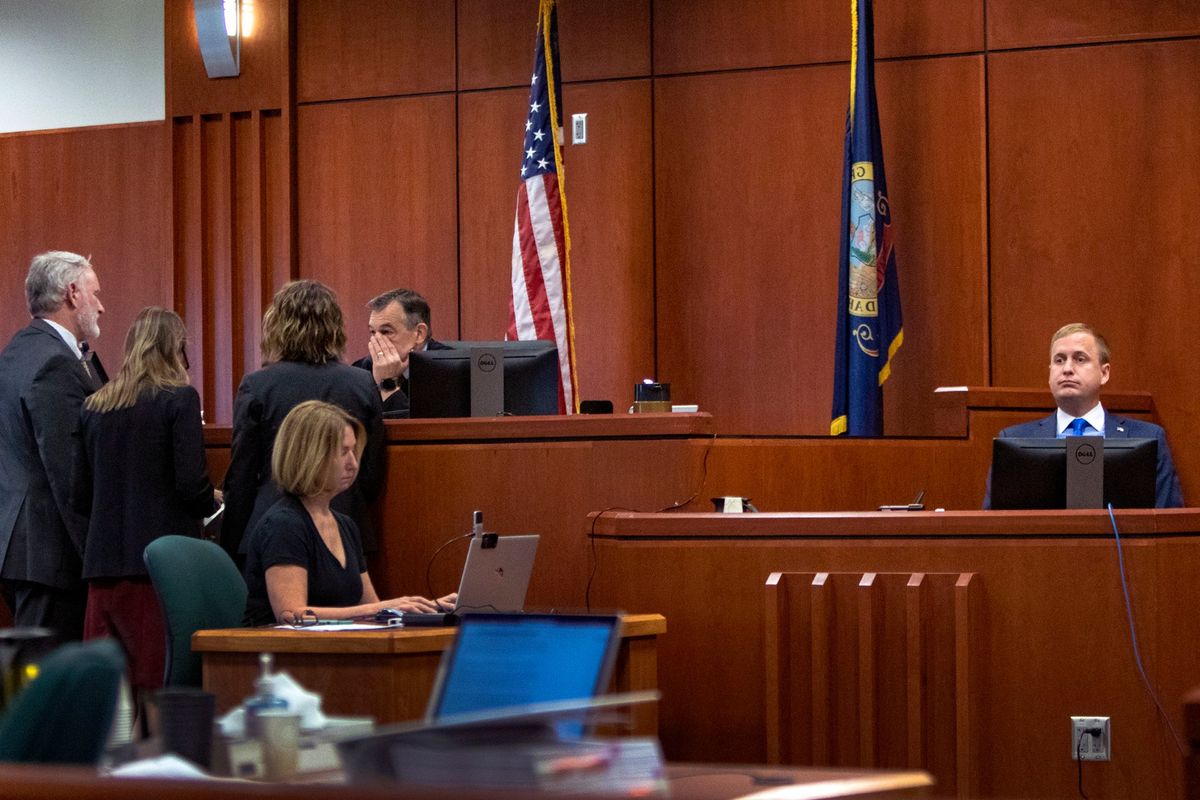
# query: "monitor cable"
1137,655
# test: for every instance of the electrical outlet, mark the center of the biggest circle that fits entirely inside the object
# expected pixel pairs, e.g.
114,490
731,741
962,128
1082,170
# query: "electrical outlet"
1087,746
579,129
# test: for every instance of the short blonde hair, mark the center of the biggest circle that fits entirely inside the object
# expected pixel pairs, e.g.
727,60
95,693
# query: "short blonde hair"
310,436
1081,327
303,323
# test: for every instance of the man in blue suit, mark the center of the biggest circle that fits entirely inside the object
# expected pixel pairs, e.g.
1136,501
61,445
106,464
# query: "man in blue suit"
1079,367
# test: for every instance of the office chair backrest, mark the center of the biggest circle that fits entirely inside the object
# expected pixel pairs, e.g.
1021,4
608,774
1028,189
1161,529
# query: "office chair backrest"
64,715
198,587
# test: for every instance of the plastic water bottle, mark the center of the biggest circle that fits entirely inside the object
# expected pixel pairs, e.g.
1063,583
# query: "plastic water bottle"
264,698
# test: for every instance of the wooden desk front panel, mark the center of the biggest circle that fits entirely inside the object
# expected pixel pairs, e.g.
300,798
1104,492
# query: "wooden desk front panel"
528,475
388,674
1052,629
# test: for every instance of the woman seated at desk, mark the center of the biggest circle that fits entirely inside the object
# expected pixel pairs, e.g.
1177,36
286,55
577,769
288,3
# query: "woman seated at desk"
304,559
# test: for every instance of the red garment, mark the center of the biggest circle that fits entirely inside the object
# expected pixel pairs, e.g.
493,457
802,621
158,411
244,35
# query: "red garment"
126,609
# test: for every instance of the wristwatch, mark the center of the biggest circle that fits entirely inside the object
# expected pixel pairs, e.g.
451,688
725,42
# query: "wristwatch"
388,385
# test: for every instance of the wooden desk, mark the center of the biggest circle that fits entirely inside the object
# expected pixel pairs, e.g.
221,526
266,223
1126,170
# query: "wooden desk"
388,674
1043,621
687,782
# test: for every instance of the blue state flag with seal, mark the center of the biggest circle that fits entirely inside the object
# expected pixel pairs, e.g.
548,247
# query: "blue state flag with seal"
869,327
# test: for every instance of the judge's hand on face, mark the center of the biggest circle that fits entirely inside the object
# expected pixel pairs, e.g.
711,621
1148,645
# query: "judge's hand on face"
387,361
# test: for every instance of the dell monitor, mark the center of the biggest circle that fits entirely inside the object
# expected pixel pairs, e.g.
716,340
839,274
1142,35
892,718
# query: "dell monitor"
484,379
1032,473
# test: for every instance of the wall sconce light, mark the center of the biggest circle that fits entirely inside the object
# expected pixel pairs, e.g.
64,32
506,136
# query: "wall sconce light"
219,33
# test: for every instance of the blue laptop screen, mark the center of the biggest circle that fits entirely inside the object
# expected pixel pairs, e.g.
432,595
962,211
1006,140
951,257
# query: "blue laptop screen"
501,660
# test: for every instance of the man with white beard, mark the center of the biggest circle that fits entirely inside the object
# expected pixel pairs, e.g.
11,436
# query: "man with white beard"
44,379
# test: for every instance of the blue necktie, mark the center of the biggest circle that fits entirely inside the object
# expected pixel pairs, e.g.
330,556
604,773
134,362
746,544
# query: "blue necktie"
1077,426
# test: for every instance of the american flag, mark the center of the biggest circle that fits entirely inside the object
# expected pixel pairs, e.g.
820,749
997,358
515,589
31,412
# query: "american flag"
540,307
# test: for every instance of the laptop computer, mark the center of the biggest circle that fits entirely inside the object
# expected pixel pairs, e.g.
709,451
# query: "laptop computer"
505,660
495,578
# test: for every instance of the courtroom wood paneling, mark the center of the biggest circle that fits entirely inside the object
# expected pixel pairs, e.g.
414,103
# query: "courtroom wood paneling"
609,201
1095,221
596,41
264,81
817,474
521,487
102,192
1034,641
747,267
874,669
376,201
932,114
611,205
231,177
1032,23
699,35
371,48
490,132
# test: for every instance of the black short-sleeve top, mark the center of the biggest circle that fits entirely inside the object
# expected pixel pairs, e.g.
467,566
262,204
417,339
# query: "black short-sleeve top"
286,534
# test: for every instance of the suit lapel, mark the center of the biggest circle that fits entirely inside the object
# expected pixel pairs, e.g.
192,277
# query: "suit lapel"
1116,427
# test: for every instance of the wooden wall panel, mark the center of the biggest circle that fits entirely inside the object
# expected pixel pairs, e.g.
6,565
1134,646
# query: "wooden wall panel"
264,81
610,201
489,161
596,40
101,192
372,48
1031,23
1095,220
698,35
376,201
747,266
932,115
217,213
610,212
231,220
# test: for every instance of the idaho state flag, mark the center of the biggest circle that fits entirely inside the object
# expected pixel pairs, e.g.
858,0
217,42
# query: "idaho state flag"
869,329
540,305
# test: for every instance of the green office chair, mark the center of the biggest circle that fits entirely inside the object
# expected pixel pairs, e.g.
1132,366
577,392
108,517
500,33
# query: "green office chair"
64,715
198,587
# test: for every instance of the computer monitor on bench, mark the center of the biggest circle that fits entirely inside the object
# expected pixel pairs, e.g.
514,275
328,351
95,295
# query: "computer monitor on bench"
1033,473
484,379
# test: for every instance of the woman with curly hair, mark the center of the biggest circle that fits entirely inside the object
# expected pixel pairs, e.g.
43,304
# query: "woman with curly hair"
303,339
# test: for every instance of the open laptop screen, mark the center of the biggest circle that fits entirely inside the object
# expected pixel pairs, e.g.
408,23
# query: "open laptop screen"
501,660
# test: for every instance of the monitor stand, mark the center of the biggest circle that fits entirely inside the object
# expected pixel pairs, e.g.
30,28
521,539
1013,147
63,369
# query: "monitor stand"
487,381
1085,471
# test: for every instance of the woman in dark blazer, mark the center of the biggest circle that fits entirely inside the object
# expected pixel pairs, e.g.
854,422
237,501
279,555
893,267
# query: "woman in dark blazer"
303,339
140,474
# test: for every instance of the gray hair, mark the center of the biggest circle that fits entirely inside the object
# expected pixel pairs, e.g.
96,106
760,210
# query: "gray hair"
50,274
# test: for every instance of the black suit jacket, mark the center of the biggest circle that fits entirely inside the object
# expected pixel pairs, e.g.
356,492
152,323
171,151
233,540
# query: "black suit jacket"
263,400
42,386
141,474
397,403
